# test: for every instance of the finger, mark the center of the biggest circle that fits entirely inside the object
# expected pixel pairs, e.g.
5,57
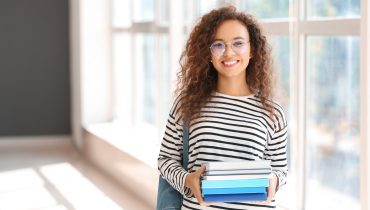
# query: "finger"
198,195
270,194
201,170
197,190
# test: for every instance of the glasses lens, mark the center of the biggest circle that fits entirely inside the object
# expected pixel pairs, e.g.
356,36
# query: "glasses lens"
217,48
239,46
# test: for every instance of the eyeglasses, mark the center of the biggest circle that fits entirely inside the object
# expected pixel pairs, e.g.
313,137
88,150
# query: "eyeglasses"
218,48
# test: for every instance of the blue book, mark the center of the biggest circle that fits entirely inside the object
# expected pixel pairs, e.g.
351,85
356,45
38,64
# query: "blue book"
250,197
235,183
236,190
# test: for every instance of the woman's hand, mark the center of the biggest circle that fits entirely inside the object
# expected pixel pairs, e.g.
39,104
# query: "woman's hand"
192,181
271,189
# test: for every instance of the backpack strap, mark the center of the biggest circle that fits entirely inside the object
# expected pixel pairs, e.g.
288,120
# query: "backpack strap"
185,143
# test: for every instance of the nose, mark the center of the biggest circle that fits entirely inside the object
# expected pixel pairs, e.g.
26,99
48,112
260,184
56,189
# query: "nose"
228,50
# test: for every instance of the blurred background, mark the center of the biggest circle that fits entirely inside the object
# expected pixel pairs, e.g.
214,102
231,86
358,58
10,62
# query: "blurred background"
86,87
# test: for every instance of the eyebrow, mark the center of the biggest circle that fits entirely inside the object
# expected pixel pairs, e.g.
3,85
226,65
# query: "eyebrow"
238,37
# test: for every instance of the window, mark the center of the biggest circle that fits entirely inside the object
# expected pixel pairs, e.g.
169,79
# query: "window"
141,64
316,50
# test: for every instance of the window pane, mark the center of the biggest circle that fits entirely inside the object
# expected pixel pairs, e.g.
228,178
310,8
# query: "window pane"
266,8
281,52
145,66
163,12
122,75
333,124
144,10
121,13
333,8
203,7
166,80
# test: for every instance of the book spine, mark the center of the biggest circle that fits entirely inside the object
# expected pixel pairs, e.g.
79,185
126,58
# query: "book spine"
236,197
236,190
235,183
235,177
237,165
237,172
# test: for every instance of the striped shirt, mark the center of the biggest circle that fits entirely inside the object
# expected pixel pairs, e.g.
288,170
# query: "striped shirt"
230,128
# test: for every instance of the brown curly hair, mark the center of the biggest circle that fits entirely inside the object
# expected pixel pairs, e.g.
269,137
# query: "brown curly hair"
197,78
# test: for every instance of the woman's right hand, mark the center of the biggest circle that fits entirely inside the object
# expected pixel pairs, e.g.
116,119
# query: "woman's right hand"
192,181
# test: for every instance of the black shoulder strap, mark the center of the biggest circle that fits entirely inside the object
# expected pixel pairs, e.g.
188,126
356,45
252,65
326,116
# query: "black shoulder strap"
185,143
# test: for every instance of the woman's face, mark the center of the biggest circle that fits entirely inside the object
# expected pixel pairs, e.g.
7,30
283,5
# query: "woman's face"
230,50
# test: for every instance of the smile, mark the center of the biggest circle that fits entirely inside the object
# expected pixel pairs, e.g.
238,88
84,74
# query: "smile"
230,63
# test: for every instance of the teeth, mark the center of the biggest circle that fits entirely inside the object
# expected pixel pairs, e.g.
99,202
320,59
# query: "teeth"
228,63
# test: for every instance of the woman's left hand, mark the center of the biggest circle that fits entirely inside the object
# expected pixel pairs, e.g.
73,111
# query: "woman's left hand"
271,189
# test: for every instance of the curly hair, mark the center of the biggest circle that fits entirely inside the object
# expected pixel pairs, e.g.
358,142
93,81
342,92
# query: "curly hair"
197,78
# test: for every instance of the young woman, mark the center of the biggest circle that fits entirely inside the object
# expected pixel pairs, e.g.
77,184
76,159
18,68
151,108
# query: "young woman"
225,93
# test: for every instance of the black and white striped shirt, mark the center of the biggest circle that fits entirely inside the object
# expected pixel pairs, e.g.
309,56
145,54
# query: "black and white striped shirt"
231,128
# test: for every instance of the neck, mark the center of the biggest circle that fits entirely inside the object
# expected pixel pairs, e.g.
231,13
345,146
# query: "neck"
234,87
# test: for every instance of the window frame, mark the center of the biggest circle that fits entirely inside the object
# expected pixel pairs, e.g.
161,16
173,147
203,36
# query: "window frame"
297,27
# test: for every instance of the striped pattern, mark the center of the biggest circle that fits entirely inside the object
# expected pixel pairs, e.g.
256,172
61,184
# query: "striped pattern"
231,128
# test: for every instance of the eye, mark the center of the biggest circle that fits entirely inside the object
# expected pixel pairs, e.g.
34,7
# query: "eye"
218,45
238,44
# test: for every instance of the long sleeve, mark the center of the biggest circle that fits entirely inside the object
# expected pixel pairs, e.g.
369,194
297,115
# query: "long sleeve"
276,148
170,155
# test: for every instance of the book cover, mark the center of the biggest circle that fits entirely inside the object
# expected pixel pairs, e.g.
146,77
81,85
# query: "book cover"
238,172
235,183
210,166
236,197
235,190
234,177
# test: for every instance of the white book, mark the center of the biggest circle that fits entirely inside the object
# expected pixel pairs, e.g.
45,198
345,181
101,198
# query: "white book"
234,177
240,165
238,172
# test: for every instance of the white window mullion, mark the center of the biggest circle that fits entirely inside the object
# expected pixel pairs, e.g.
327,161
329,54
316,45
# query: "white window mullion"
365,105
300,97
176,33
331,27
276,27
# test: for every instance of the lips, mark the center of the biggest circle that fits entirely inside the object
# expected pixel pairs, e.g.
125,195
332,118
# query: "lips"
230,63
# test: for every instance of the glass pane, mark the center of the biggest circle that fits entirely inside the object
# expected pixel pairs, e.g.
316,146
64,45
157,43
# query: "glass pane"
166,79
203,7
163,12
122,75
144,10
281,52
333,124
266,8
145,67
333,8
121,13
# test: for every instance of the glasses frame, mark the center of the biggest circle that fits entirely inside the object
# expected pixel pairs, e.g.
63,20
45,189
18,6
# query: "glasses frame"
226,44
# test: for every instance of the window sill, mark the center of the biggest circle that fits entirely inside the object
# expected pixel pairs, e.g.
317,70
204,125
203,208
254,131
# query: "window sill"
140,144
126,155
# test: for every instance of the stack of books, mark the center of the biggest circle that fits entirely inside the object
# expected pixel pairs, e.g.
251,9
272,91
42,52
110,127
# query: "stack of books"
244,181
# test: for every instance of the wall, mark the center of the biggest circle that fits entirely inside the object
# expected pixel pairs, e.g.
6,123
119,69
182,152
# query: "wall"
34,67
